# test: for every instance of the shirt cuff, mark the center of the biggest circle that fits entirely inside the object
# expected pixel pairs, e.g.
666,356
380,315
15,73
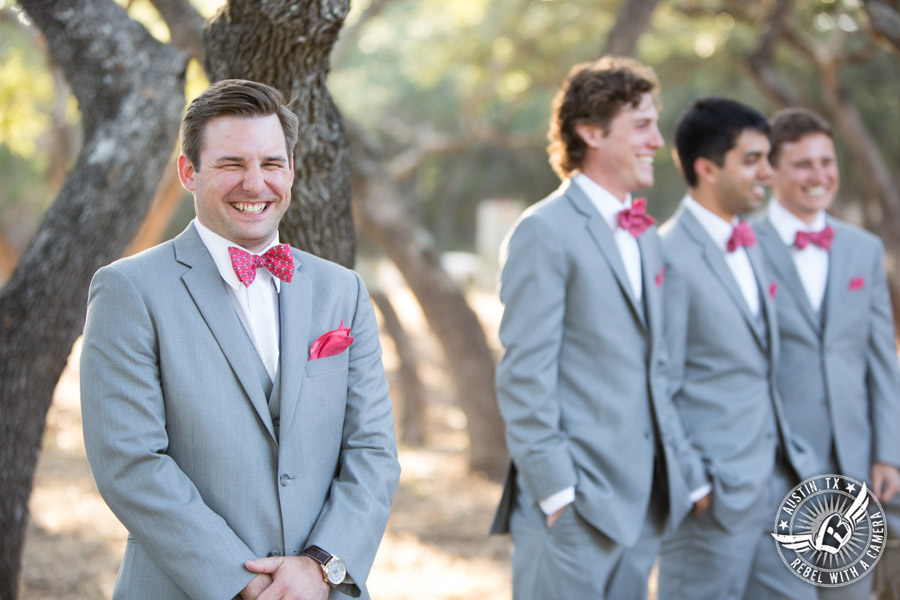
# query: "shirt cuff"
554,502
699,493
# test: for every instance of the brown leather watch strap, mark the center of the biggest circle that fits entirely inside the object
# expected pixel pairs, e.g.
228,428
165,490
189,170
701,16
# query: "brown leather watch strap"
317,554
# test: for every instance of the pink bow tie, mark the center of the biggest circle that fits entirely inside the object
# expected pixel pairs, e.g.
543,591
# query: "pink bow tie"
635,220
277,259
822,239
742,235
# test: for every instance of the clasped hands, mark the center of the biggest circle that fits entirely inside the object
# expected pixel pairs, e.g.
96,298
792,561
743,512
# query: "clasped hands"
287,578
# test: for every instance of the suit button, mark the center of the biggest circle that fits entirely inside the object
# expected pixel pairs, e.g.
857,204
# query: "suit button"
285,479
769,435
648,435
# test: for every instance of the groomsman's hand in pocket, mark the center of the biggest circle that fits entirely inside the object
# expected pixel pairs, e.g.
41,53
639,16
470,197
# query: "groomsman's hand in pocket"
701,505
551,518
885,481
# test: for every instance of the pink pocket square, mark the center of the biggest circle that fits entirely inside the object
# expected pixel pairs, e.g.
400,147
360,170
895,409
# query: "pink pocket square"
857,283
773,289
661,276
331,343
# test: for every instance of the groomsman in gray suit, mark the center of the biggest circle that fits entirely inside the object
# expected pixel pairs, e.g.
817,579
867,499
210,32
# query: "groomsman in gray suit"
722,339
598,453
838,373
236,414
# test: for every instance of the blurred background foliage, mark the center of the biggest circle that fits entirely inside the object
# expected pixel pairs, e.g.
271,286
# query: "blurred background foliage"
458,93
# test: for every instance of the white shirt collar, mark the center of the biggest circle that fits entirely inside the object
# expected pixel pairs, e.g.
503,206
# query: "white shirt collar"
718,228
218,250
607,204
787,224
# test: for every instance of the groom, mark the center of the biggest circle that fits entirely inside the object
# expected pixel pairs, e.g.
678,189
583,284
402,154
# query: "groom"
236,414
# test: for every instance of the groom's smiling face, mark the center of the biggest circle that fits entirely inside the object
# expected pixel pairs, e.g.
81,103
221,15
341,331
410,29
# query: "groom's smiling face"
243,185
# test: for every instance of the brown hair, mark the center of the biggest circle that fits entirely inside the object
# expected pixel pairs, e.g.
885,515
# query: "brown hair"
236,98
791,124
593,93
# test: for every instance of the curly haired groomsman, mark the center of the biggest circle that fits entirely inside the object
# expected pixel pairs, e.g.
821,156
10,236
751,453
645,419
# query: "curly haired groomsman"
598,454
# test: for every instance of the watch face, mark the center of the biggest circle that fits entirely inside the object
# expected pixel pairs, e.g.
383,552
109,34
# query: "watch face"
335,571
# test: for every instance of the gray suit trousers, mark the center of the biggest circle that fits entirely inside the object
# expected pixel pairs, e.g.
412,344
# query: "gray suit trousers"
705,561
573,560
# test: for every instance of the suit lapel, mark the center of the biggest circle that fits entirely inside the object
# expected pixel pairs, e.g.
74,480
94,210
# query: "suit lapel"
715,260
206,287
838,275
785,270
295,308
649,272
602,235
766,305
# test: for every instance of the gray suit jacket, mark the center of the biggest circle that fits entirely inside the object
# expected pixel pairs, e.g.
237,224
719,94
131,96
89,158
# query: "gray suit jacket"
838,375
581,384
182,441
722,369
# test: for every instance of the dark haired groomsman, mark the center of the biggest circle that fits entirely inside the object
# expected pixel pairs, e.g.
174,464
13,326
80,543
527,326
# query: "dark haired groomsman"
721,334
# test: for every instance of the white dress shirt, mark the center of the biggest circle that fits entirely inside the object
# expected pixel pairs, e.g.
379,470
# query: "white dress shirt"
738,262
609,207
812,261
257,305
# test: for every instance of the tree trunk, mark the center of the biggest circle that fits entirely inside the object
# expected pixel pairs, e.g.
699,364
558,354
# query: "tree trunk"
286,44
632,20
165,204
382,216
412,409
130,90
9,257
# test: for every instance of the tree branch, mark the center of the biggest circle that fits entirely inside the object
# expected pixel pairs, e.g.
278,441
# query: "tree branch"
885,21
350,35
185,25
762,62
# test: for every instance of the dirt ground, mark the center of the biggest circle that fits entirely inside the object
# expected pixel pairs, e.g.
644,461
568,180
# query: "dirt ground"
436,545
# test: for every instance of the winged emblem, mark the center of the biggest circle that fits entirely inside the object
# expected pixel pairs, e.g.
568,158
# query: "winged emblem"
834,532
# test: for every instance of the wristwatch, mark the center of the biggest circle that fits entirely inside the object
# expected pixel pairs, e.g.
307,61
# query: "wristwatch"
333,569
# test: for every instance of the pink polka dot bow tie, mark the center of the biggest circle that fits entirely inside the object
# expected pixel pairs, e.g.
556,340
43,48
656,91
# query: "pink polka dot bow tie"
277,259
741,235
635,220
822,239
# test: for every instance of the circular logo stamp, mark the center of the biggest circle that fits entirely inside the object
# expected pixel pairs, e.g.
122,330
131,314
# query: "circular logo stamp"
830,530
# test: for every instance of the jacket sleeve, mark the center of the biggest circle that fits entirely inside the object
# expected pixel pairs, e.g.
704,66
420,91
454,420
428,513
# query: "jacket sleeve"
676,320
354,517
125,438
883,382
533,292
